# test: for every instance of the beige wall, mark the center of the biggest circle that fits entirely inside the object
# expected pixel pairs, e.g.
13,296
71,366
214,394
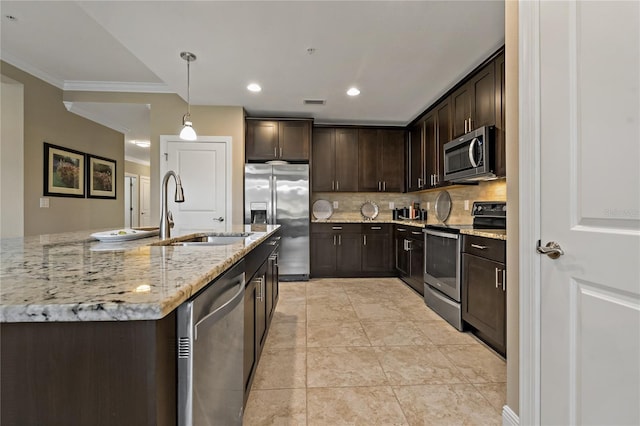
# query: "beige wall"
46,119
513,270
12,159
166,119
137,168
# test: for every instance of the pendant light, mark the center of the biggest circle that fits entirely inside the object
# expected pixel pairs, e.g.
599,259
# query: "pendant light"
187,133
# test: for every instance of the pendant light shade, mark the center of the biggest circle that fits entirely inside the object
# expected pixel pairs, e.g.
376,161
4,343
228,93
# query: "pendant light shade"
188,133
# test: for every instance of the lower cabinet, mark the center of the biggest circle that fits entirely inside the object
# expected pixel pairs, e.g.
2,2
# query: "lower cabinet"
351,250
409,256
260,299
484,289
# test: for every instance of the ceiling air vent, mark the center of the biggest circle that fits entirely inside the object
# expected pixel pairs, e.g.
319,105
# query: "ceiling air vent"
314,101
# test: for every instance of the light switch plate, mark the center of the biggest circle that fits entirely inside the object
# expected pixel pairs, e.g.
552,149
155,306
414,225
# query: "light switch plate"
428,205
335,204
466,204
44,203
392,205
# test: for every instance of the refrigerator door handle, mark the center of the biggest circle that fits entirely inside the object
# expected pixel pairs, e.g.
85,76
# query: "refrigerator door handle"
274,198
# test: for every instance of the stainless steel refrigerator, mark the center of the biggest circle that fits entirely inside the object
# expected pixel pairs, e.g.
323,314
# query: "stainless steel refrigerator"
279,194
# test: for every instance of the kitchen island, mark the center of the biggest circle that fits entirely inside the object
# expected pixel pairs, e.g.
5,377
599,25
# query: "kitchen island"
88,328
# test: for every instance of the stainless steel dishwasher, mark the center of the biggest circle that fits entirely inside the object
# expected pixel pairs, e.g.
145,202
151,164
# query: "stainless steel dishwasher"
210,353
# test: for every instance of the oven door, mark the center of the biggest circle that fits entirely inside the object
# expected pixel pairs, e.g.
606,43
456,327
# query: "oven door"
442,262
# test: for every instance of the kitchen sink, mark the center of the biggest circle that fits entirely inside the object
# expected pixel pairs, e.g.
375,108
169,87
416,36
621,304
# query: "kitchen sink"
207,240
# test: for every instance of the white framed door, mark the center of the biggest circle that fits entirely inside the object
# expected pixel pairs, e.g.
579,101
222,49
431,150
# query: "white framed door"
204,169
131,211
580,187
145,202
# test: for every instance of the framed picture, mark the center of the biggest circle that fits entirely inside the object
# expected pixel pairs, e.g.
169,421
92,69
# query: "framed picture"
101,177
63,172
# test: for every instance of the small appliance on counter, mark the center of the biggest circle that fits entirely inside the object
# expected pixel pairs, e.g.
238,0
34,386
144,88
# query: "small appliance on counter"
442,260
413,212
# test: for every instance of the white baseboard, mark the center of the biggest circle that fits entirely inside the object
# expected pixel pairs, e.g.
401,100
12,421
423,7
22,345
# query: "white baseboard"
509,418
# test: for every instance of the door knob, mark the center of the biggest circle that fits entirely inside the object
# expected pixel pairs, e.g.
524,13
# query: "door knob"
552,249
220,219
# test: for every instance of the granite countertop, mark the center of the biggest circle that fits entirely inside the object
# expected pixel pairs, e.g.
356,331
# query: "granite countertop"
498,234
73,277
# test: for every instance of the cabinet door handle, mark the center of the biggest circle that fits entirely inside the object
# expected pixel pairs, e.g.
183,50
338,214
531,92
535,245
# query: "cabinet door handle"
401,230
379,186
504,280
384,185
339,240
479,246
419,182
416,233
336,228
333,185
364,240
470,125
280,152
497,277
275,151
334,240
337,185
376,228
259,294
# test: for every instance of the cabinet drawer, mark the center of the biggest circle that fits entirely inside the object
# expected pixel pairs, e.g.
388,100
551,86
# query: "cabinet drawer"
324,228
485,247
379,228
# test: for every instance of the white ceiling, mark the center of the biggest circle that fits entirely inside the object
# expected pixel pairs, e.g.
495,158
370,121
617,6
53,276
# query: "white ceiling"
402,55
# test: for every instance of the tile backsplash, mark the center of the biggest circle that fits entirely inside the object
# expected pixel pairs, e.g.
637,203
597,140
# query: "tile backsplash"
349,203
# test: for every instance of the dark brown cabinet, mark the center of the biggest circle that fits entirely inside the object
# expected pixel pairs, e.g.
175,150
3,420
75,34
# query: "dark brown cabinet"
415,158
351,250
335,160
278,140
474,103
409,256
500,151
484,289
381,160
335,250
376,248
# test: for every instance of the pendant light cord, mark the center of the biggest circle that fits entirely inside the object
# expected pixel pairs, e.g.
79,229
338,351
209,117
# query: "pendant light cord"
189,87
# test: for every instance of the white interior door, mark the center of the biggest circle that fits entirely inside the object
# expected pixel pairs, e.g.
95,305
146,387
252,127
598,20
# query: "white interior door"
202,167
590,206
145,202
130,201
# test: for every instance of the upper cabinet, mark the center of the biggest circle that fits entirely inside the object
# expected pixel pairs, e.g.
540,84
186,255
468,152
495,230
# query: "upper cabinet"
278,140
415,156
381,160
335,160
474,103
500,152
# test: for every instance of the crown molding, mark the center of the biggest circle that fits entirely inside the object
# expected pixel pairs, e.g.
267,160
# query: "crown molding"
115,86
74,108
30,69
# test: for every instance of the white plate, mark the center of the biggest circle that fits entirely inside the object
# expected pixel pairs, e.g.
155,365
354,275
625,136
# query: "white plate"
322,209
125,234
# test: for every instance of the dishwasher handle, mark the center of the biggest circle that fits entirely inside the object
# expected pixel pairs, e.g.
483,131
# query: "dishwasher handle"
225,308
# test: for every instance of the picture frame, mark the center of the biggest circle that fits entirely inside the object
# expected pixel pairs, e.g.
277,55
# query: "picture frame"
101,177
64,172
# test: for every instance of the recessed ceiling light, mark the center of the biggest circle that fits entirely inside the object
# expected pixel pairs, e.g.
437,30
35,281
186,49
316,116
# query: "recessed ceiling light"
353,91
254,87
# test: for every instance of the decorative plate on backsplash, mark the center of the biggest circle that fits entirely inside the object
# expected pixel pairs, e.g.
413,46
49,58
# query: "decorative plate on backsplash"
322,209
443,206
369,210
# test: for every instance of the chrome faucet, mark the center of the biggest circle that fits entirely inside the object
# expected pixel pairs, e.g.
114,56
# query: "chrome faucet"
166,218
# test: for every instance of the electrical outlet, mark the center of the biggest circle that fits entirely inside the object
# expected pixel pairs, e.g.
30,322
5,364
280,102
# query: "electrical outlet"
44,203
335,204
392,205
428,205
466,204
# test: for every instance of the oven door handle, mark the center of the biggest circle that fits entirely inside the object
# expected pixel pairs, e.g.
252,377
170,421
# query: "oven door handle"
442,234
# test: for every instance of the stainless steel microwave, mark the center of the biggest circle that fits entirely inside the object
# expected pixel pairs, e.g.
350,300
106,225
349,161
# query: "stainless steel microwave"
470,157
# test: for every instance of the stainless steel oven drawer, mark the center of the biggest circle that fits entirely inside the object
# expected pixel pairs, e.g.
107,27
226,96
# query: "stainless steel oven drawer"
443,306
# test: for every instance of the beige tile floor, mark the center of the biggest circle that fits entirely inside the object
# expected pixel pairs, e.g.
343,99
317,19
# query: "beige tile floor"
369,352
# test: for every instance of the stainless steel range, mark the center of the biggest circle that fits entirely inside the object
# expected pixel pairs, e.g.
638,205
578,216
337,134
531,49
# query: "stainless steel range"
442,267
